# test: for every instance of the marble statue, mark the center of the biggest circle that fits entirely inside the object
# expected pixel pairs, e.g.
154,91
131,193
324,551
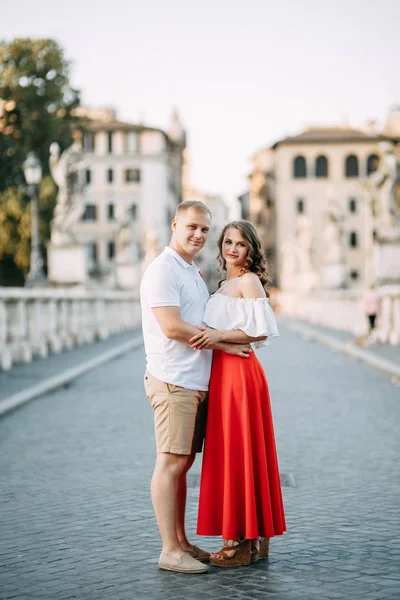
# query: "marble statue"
150,247
289,255
332,233
126,249
381,186
304,244
66,170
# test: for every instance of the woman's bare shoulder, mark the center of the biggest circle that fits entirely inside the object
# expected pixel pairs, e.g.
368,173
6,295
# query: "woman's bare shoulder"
251,286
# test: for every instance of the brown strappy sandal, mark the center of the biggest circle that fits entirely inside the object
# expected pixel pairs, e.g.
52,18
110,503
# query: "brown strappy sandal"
241,556
262,551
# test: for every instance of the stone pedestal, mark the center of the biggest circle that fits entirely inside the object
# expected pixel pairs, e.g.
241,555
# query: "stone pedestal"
333,277
387,261
66,264
127,275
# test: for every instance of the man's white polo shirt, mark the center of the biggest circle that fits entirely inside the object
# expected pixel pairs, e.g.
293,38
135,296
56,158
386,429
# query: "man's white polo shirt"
171,281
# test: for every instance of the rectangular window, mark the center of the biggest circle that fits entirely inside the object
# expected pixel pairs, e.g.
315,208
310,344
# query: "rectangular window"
88,142
111,249
92,252
352,205
110,142
134,211
90,213
88,176
110,212
300,205
132,175
110,175
131,142
353,239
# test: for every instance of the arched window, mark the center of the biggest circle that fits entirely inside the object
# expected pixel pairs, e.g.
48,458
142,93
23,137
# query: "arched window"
372,163
299,167
321,166
352,166
353,241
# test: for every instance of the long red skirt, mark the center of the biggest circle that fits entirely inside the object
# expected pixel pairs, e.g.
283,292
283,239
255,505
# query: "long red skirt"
240,491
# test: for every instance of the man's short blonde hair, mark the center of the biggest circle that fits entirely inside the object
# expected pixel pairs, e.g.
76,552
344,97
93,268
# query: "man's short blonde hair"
196,204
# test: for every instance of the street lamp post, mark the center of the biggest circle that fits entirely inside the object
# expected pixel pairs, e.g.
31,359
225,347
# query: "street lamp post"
33,174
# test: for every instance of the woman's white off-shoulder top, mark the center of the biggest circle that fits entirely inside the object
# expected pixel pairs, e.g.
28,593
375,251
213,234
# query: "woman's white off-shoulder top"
254,316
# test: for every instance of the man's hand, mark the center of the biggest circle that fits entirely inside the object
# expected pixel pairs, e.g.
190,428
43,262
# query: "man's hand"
243,350
208,338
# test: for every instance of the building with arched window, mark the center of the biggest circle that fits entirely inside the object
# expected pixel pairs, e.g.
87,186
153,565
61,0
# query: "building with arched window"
372,163
351,166
299,167
303,174
321,166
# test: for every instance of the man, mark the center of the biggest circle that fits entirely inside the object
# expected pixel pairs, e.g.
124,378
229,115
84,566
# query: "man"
173,299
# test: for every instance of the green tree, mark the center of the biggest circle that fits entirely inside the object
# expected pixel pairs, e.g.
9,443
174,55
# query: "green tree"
37,108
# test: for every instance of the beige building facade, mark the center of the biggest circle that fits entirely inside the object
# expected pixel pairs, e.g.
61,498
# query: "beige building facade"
296,182
133,178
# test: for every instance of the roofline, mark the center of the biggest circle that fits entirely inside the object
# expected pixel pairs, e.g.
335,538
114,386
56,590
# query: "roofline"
95,126
340,140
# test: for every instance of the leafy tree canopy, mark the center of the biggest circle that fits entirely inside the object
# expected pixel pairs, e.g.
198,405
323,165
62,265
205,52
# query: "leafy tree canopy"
36,104
36,108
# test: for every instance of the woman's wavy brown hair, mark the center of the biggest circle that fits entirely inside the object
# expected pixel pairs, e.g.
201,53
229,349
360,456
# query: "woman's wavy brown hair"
256,261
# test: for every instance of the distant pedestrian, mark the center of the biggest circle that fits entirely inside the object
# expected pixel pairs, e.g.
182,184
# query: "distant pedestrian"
371,306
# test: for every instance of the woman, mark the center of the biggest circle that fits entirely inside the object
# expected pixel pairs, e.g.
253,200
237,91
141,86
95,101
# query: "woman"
240,492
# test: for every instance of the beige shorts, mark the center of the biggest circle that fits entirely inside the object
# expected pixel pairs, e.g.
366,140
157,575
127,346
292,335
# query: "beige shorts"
180,416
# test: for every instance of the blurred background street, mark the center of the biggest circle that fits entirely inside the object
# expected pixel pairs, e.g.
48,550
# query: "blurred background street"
284,114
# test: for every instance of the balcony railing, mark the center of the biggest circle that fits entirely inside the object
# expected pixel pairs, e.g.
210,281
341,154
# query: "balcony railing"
39,322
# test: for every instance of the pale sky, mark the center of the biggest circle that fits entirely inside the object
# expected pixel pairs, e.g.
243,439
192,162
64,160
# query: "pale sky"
242,75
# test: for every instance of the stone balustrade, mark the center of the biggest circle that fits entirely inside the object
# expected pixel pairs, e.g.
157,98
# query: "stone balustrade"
39,322
343,309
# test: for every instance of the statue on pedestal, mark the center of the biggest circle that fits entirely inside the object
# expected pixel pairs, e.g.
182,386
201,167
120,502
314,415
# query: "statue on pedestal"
66,255
304,244
289,269
66,170
126,247
150,248
381,186
127,255
333,272
332,233
297,272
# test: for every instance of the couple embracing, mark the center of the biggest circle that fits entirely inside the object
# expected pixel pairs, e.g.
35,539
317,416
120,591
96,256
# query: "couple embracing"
203,380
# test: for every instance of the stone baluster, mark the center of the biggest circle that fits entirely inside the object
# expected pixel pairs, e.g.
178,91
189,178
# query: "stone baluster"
385,320
394,336
37,322
5,350
62,324
53,339
100,319
36,329
18,327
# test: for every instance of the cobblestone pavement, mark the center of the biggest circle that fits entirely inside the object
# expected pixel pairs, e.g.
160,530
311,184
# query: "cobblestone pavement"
23,375
76,517
386,351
